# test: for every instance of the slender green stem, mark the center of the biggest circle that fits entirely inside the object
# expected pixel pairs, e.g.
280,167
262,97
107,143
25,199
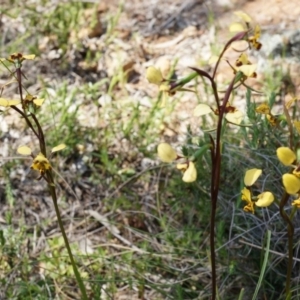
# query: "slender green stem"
49,178
52,190
41,135
19,79
26,119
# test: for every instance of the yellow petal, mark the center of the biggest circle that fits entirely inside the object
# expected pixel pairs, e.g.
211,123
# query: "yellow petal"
272,120
297,126
236,27
38,102
246,195
7,102
235,117
182,167
263,109
24,150
257,32
251,176
154,75
190,174
286,155
166,153
29,56
164,87
296,172
243,60
248,70
201,110
249,208
264,199
29,97
213,59
58,148
291,183
289,103
296,203
243,16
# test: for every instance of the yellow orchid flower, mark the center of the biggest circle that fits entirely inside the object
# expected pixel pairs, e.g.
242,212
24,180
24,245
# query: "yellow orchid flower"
155,76
18,57
263,109
253,40
256,30
166,153
263,200
233,115
244,65
32,99
291,182
40,162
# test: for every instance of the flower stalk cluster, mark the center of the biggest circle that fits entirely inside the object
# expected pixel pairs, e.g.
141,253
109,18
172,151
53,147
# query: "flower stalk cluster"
26,106
226,113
